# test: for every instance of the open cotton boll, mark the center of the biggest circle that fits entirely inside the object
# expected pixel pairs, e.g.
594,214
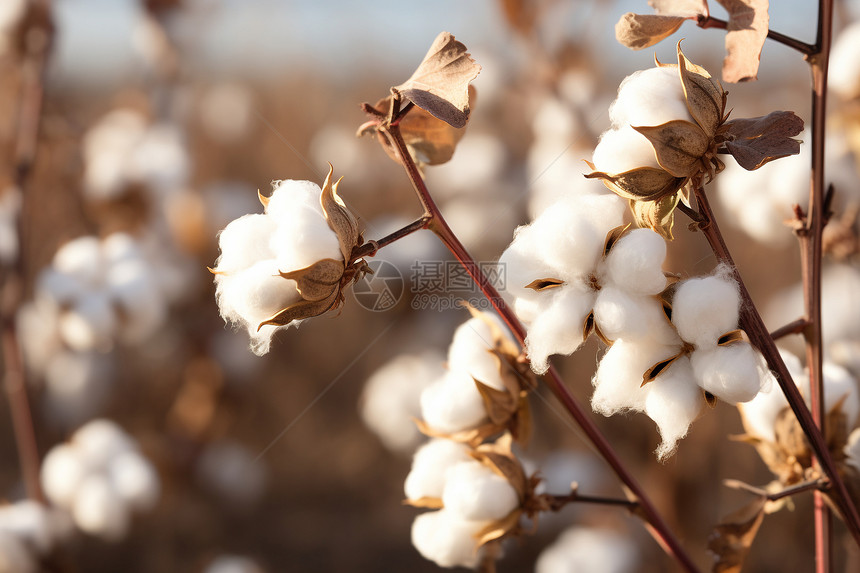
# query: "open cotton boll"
649,98
304,242
430,467
392,398
759,414
245,241
63,469
453,403
99,510
635,262
703,309
15,557
618,314
100,441
730,373
441,537
470,350
618,379
589,550
475,492
844,78
566,239
134,479
624,149
558,329
674,402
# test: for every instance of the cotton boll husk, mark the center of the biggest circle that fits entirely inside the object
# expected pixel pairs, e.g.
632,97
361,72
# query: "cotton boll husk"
63,470
619,314
255,294
618,379
289,196
90,324
470,350
14,555
520,267
730,373
703,309
624,149
635,262
852,449
453,403
475,492
100,441
245,241
648,98
844,78
447,541
430,467
392,398
99,510
674,402
233,564
135,480
589,550
558,329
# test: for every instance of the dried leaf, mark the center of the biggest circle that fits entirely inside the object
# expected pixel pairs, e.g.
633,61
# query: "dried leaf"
659,216
732,538
705,97
473,437
317,281
652,373
758,140
521,428
686,8
746,33
301,310
440,85
500,405
498,457
613,236
679,145
639,31
641,184
544,284
339,218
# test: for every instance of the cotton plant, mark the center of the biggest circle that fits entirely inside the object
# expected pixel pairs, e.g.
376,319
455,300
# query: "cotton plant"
101,478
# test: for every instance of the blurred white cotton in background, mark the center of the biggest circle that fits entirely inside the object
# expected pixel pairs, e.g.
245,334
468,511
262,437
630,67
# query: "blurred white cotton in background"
589,549
233,564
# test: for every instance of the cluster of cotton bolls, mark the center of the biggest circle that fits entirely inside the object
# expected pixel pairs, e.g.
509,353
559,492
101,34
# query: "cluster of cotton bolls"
392,398
101,478
28,532
104,291
589,549
473,496
292,234
701,358
558,274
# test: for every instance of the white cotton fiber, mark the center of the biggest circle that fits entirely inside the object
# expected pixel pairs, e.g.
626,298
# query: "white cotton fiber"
703,309
674,402
650,97
63,469
90,324
134,480
99,510
257,293
590,550
624,149
730,373
474,492
100,440
844,76
430,467
453,403
559,328
470,350
81,258
289,196
244,242
565,239
620,314
635,262
447,541
618,379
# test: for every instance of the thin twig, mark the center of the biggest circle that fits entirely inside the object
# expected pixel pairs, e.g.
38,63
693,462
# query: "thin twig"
816,484
558,502
370,248
793,327
708,21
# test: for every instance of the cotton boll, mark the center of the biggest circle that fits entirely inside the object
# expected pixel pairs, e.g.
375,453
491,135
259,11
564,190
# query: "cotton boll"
14,555
566,240
591,550
392,398
623,149
649,98
635,262
703,309
90,324
453,403
134,479
618,314
245,241
470,350
63,470
99,510
100,441
255,294
674,402
618,379
430,467
233,564
844,78
447,541
60,288
728,372
289,196
559,328
475,492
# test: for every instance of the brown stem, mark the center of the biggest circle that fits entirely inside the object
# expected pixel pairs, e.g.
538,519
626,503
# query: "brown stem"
558,502
708,21
369,248
816,484
754,326
646,509
793,327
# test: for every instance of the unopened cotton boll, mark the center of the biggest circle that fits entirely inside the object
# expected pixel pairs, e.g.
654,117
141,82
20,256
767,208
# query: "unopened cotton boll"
674,402
441,537
844,76
392,398
453,403
430,467
703,309
589,550
731,373
650,97
475,492
624,149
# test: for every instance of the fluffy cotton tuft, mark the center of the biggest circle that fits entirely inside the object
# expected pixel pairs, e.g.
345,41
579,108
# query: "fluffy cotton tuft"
452,403
430,467
618,379
649,98
474,492
673,403
623,149
844,76
441,537
705,308
591,550
470,350
731,373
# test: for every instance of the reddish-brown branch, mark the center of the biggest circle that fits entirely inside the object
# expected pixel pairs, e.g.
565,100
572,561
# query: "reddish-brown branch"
369,249
646,509
708,21
793,327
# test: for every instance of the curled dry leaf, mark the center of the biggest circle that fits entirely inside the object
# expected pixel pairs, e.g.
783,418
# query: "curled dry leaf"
639,31
731,540
758,140
746,33
440,84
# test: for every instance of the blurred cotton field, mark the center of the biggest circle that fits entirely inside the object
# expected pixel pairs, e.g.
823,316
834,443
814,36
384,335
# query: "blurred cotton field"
166,444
